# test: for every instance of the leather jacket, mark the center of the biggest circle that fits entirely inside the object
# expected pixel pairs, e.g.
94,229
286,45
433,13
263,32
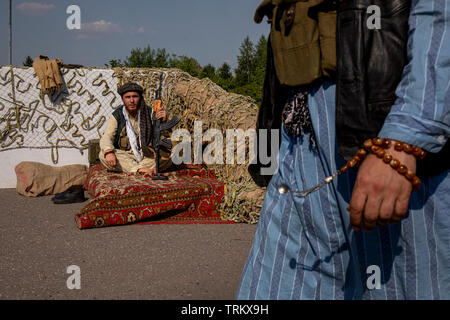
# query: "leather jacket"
369,68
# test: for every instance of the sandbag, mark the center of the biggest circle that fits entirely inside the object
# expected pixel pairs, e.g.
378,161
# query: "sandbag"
37,179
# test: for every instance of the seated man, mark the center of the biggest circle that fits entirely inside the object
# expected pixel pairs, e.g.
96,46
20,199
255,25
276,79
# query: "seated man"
126,144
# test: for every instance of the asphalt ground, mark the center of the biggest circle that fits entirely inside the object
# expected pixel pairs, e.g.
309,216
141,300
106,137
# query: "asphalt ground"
40,240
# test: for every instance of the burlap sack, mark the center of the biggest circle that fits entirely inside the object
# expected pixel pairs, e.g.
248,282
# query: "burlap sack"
49,74
37,179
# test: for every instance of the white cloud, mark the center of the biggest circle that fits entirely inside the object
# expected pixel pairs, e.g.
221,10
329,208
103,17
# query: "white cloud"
34,8
134,31
101,26
97,29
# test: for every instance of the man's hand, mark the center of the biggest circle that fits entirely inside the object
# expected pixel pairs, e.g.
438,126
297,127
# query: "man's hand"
381,195
161,114
151,171
111,159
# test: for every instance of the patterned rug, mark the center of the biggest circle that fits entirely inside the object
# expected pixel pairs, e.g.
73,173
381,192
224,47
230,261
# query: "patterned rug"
190,195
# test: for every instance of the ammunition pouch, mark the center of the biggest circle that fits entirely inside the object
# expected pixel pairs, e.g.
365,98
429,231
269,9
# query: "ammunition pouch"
306,29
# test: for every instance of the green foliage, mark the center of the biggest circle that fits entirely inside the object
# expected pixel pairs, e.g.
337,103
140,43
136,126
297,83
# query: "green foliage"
249,74
187,64
208,71
222,76
28,62
141,58
227,84
251,68
224,72
246,63
251,89
260,61
115,63
162,59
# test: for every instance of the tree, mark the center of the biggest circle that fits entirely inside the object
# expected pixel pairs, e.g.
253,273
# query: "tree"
252,90
224,77
208,71
249,74
114,63
28,62
141,58
224,72
260,61
246,62
251,69
162,59
187,64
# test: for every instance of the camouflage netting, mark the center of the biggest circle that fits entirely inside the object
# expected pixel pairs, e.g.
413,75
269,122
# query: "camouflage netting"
193,99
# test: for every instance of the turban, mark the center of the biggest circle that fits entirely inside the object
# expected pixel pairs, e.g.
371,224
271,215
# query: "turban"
130,86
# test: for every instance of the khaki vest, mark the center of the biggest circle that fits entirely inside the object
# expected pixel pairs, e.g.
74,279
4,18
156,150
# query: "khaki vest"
305,49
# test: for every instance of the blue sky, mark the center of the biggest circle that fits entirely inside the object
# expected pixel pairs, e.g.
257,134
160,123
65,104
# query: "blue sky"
209,30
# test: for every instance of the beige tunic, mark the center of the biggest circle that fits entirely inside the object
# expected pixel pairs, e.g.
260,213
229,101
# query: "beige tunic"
126,161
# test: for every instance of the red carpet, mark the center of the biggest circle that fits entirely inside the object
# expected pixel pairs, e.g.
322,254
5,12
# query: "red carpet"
190,196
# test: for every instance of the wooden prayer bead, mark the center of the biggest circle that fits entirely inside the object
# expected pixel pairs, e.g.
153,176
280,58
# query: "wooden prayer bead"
375,149
386,144
402,169
407,148
352,163
416,183
422,155
368,144
362,153
381,153
416,151
410,175
387,158
394,163
378,141
398,146
358,159
345,168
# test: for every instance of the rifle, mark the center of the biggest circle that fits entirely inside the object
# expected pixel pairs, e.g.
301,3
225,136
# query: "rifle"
158,128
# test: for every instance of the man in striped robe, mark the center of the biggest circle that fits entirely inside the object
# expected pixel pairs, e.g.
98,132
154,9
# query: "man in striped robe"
319,246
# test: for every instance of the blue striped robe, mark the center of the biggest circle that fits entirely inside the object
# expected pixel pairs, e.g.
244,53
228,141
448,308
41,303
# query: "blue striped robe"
306,249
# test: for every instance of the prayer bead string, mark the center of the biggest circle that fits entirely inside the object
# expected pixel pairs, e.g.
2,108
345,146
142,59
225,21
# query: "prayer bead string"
378,147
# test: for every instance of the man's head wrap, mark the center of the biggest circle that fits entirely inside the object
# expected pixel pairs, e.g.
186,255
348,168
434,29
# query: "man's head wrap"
130,86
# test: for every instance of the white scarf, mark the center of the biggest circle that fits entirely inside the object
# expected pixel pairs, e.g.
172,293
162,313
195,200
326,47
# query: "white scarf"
137,150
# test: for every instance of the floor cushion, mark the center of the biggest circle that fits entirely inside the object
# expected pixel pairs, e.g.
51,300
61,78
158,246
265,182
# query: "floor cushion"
120,198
